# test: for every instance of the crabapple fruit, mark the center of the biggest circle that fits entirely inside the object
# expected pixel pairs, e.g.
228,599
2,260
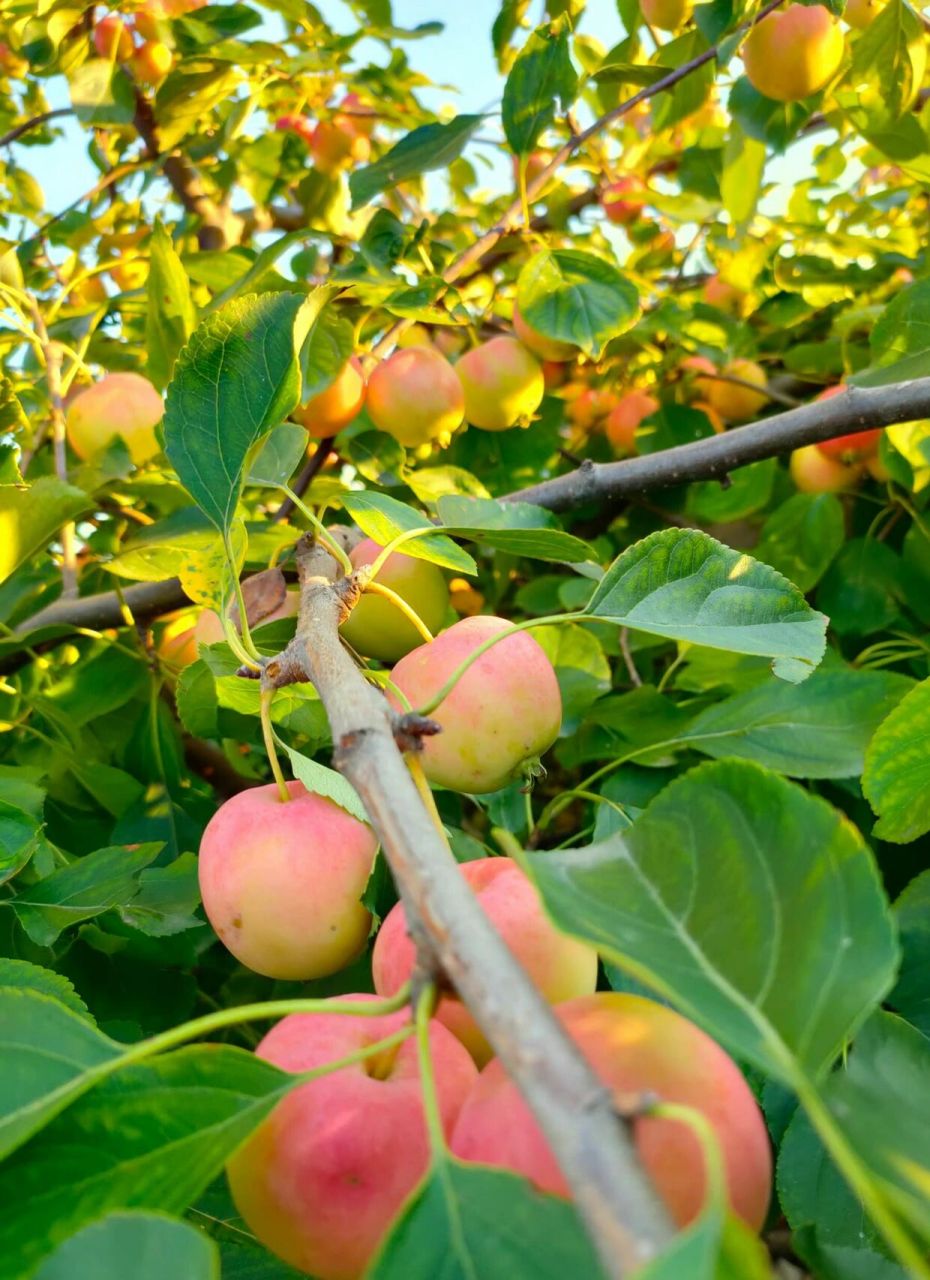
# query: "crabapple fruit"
323,1177
282,882
505,711
559,966
120,404
793,52
415,396
503,384
376,627
624,418
326,413
636,1047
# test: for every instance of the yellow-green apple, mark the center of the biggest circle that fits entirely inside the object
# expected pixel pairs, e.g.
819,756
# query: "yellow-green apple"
335,407
415,396
503,384
282,882
732,401
321,1180
638,1048
120,404
151,62
376,627
559,966
503,713
667,15
793,52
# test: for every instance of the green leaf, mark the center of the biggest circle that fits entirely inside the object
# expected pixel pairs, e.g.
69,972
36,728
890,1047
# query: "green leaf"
101,93
581,669
91,885
467,1221
166,900
431,146
888,64
843,1262
743,169
30,516
541,75
811,1190
858,591
329,344
749,490
326,782
146,1246
903,328
513,527
685,585
51,1055
23,976
21,805
802,536
818,730
717,1246
750,904
383,518
279,456
911,995
879,1102
187,96
151,1137
236,379
576,297
896,781
170,316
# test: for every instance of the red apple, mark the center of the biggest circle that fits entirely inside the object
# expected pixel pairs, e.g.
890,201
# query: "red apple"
321,1180
636,1047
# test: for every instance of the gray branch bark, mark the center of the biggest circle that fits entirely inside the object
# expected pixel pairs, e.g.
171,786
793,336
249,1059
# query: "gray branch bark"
591,1142
856,409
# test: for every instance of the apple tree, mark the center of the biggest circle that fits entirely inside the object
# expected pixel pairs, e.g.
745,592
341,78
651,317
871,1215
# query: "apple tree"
464,679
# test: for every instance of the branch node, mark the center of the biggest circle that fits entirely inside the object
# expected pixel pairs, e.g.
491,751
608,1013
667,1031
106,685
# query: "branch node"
410,729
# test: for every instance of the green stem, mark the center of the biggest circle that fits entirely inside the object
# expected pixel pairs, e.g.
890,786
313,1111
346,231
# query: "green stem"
551,621
560,802
431,1111
247,641
426,795
358,1055
231,637
860,1181
322,533
407,536
210,1022
700,1126
265,700
376,588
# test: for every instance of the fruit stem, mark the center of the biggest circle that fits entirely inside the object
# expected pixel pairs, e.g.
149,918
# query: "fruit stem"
222,1018
357,1055
322,533
700,1126
551,621
415,765
861,1182
265,700
378,589
408,535
431,1113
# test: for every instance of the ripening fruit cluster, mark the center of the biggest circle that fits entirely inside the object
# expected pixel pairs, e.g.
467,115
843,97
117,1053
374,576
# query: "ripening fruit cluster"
324,1176
151,59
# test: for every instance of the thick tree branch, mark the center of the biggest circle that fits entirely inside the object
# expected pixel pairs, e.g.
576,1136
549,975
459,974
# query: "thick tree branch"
590,1140
856,409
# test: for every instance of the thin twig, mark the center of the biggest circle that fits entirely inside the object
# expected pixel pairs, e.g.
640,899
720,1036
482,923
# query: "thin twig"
34,123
